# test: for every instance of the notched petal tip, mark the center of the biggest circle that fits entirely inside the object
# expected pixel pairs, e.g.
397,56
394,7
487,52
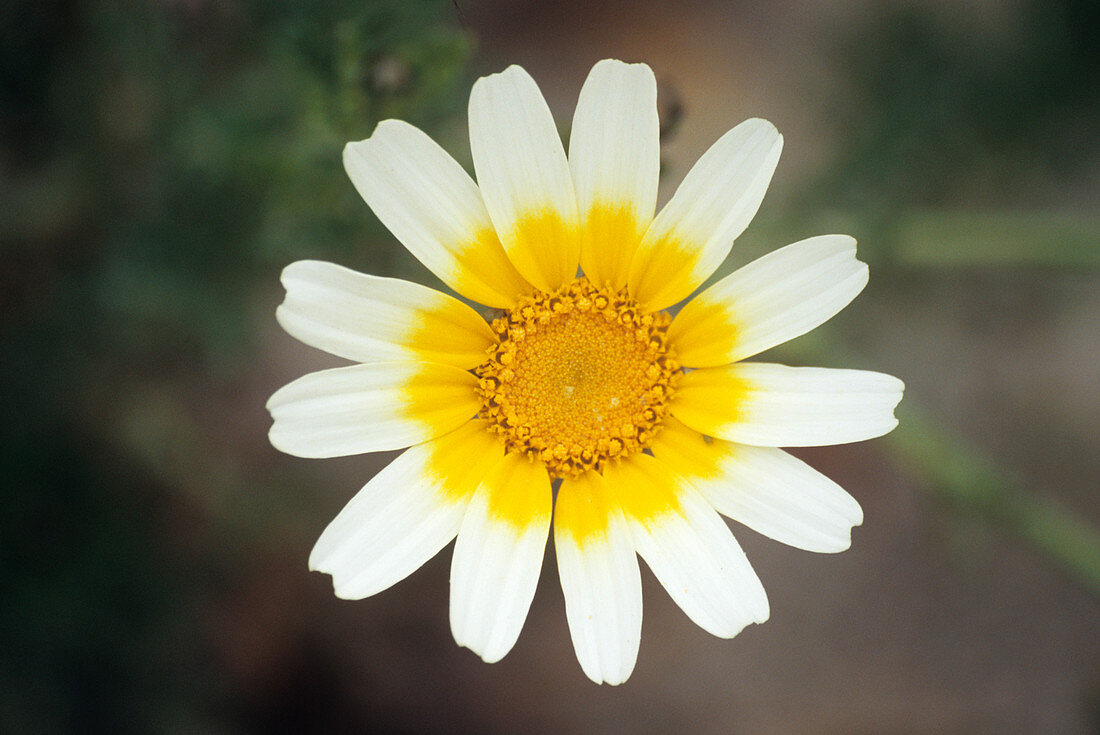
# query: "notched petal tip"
298,269
384,128
893,391
765,129
353,151
758,133
513,72
617,64
339,590
845,241
840,542
762,124
893,385
277,399
837,547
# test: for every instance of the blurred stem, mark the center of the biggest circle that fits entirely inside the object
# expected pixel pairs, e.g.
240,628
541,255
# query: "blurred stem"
969,238
970,483
940,239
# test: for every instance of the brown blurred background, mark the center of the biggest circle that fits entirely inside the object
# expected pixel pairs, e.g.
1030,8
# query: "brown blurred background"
160,162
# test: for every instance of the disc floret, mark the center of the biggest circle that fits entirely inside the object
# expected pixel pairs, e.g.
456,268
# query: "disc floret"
580,376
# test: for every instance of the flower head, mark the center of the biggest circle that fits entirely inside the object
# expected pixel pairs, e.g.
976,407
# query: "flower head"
649,425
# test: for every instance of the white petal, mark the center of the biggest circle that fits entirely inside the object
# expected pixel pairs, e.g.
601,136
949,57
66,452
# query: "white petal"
764,488
498,557
370,408
694,232
599,578
370,319
689,548
426,199
406,513
615,156
769,301
778,406
524,177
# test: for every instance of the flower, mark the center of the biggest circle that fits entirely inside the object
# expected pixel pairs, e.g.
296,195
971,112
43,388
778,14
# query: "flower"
650,425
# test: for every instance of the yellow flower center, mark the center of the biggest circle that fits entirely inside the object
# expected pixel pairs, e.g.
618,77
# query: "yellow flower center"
581,375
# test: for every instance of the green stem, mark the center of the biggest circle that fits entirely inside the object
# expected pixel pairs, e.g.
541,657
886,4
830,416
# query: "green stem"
972,485
962,238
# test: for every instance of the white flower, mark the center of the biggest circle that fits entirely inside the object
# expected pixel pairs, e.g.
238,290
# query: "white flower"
652,425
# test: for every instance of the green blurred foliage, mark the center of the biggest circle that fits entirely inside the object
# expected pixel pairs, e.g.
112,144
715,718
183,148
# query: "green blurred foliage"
176,149
945,119
157,161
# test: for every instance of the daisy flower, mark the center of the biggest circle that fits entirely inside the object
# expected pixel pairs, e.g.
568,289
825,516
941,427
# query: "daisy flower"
575,395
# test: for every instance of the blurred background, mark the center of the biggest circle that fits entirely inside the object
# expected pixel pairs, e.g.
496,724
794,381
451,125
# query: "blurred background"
162,160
